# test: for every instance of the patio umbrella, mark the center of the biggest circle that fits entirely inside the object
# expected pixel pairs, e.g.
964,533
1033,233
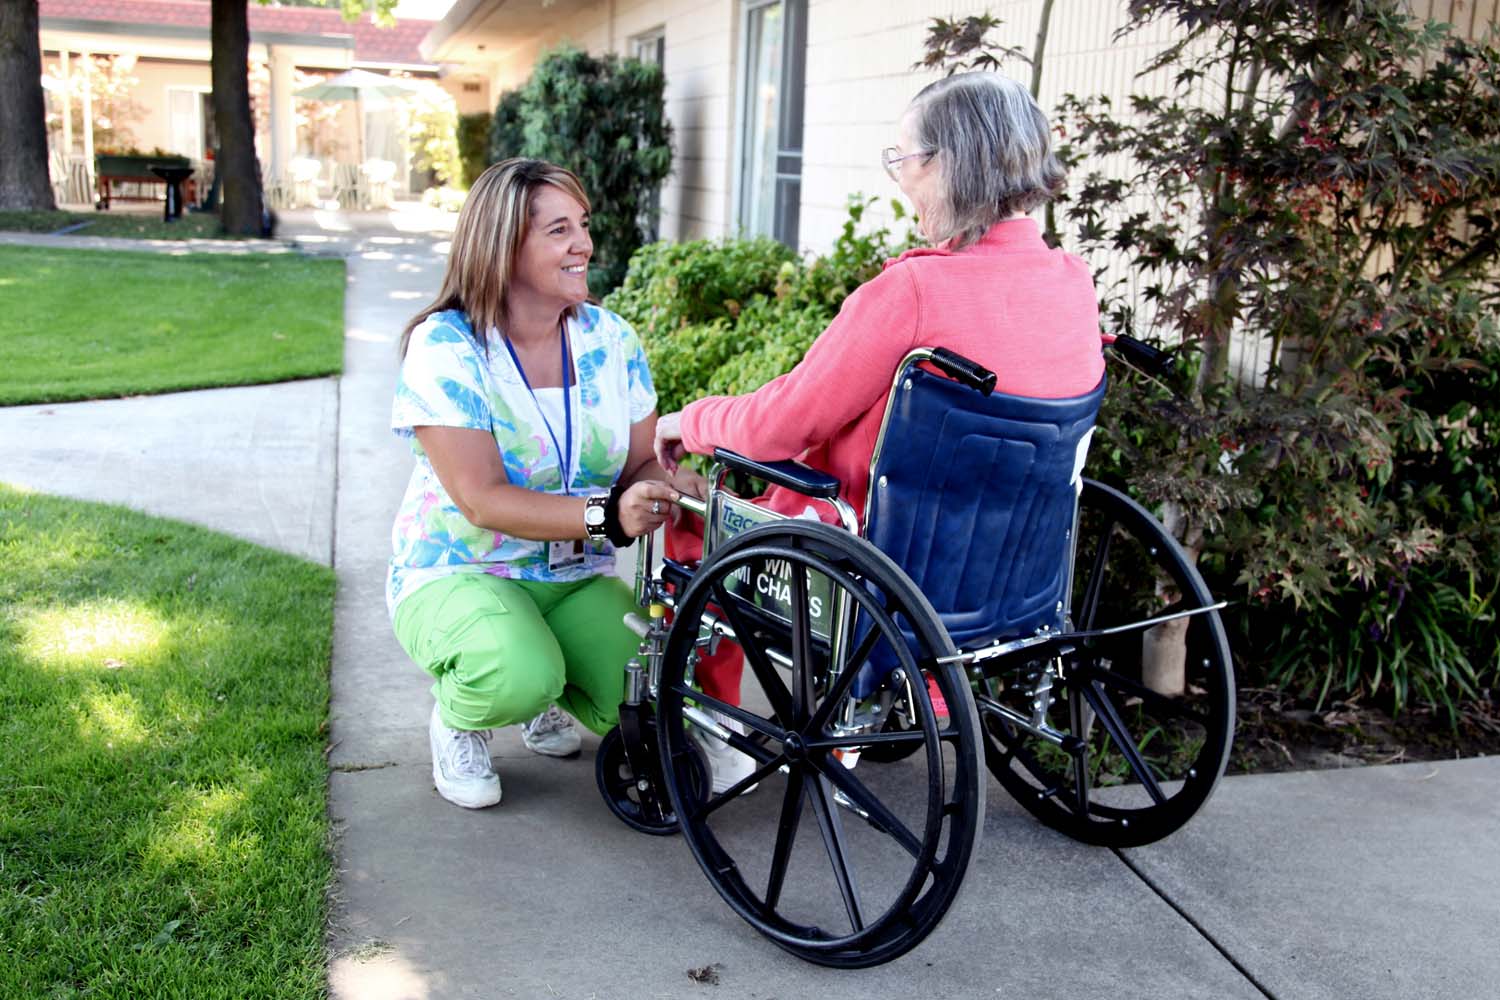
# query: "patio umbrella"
359,86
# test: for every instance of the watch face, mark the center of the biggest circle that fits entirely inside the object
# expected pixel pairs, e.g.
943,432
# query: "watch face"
593,514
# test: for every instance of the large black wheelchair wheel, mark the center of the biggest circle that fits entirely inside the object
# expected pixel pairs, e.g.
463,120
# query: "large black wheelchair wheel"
1148,714
840,864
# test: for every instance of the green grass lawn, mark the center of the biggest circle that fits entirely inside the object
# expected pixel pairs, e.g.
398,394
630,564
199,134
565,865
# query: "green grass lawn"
163,703
133,225
86,324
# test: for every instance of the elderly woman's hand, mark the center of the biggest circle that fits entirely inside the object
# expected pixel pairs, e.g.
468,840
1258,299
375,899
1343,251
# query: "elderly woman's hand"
644,506
668,443
685,480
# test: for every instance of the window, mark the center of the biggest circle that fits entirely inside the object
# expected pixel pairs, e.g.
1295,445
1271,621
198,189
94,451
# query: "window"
770,168
650,46
185,121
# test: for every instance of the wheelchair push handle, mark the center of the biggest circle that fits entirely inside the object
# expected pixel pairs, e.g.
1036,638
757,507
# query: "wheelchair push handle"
1138,354
970,373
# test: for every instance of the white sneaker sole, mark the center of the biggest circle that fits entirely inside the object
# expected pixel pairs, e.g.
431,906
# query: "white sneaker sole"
547,751
478,797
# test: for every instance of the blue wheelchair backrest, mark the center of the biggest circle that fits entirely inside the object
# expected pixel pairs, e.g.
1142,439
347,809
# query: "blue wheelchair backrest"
974,496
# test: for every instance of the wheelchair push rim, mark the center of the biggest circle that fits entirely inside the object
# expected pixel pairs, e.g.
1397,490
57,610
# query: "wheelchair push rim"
832,826
1144,757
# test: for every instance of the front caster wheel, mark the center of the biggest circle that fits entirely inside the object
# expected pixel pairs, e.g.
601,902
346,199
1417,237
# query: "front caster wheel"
640,801
842,864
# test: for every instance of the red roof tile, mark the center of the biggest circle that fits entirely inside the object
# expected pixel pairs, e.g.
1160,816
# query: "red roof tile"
372,44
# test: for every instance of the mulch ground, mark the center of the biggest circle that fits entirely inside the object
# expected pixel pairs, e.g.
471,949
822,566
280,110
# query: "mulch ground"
1278,732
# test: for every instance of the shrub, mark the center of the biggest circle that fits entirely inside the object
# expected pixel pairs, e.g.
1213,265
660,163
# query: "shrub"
449,199
726,317
430,123
1333,201
604,119
506,139
473,145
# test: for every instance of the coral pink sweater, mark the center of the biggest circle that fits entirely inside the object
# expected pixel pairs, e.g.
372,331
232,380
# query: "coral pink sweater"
1009,302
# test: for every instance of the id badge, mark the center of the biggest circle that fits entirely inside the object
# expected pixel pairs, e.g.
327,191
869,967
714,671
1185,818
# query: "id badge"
564,554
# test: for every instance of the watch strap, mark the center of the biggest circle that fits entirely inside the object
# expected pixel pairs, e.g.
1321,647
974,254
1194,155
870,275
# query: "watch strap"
613,530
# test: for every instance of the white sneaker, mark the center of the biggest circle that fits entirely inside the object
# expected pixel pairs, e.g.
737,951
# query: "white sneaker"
551,733
461,764
727,766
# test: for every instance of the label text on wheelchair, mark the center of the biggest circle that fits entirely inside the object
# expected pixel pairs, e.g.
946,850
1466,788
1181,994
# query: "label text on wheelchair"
775,581
734,522
767,584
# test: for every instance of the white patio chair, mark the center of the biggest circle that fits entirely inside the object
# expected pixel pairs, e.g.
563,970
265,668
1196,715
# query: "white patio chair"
276,190
57,173
347,187
378,175
303,173
80,183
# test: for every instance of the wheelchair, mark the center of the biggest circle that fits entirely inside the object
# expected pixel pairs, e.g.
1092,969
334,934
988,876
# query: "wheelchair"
995,614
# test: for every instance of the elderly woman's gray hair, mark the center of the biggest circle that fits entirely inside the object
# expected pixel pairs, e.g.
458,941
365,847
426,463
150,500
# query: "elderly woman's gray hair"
994,153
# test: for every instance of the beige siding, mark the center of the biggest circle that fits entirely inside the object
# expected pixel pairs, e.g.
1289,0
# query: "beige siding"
468,101
859,79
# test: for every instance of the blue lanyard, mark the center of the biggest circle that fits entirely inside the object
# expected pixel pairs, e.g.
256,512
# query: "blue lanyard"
564,456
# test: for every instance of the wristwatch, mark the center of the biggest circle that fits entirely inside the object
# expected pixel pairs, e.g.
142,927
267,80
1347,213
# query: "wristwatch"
594,519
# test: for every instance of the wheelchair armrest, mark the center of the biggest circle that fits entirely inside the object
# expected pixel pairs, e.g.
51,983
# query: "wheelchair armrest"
792,475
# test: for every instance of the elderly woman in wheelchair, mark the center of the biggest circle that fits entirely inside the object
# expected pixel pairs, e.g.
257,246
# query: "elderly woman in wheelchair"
965,599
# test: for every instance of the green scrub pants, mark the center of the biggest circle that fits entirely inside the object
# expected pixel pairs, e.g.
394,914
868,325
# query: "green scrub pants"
503,650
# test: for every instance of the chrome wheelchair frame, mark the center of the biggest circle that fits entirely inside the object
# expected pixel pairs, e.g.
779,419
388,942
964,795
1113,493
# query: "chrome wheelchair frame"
851,664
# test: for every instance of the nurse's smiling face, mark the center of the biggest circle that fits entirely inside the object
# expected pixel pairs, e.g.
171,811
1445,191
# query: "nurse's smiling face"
554,255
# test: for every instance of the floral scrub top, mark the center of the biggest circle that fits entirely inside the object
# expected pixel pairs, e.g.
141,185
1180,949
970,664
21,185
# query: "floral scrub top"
448,380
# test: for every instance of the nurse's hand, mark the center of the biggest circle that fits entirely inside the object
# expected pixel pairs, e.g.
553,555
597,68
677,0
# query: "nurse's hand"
645,506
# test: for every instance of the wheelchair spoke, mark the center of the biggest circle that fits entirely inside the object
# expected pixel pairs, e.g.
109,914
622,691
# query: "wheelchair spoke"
1078,711
898,738
831,825
748,719
1110,719
786,833
878,815
845,681
765,672
1159,704
802,656
1090,605
733,791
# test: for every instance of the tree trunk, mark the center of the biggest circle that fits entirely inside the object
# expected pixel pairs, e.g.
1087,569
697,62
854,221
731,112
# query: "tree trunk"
243,207
1164,657
24,183
1164,646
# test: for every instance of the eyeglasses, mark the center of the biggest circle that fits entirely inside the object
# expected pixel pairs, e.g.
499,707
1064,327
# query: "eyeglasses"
891,157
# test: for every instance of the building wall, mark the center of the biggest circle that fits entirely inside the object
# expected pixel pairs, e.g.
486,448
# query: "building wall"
469,101
151,93
859,80
699,93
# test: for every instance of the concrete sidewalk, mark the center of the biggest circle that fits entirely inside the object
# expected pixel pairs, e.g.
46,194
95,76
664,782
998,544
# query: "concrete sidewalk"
1369,883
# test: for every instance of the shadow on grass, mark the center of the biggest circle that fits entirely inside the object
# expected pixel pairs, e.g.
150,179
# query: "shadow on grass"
163,704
